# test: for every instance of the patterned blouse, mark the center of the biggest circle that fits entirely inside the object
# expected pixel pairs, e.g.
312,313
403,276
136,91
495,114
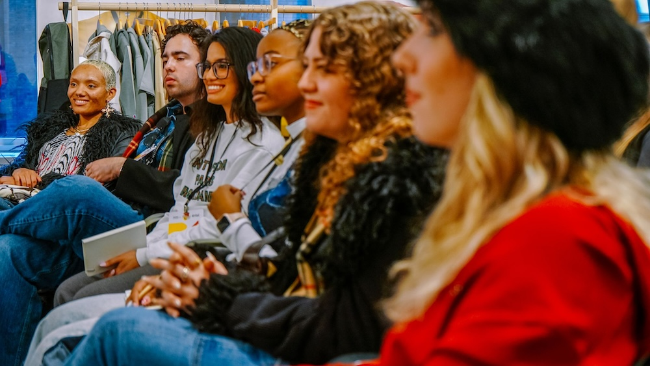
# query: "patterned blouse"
61,155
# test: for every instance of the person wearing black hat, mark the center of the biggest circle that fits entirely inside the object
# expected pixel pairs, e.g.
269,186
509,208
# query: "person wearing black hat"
537,253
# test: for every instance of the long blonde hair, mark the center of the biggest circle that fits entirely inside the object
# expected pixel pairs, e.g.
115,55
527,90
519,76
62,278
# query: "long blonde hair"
499,167
631,132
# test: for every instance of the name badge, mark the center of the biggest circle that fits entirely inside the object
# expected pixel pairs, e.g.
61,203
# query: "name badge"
180,222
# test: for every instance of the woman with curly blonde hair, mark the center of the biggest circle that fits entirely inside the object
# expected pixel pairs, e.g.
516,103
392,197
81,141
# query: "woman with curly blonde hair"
362,189
537,253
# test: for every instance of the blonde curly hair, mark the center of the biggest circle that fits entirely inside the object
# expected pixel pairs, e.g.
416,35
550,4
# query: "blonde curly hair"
358,40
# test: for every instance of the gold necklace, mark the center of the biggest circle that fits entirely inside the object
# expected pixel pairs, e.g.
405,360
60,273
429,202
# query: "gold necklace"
80,131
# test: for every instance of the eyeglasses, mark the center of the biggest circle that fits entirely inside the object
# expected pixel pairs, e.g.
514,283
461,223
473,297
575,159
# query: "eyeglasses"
219,68
264,64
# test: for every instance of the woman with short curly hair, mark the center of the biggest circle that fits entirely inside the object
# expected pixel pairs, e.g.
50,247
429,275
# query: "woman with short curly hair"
362,189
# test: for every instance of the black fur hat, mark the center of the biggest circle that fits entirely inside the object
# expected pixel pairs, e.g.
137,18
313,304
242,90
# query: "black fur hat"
573,67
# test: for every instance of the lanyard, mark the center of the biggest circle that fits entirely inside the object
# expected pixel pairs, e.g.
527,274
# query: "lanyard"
206,180
282,152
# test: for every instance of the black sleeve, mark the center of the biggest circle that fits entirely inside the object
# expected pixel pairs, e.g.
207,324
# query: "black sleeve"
121,143
146,185
344,319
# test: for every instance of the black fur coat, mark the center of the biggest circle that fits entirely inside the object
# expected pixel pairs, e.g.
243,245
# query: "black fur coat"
376,220
109,137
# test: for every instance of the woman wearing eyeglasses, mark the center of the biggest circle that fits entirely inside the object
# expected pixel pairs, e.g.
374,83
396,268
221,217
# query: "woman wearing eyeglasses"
274,75
234,144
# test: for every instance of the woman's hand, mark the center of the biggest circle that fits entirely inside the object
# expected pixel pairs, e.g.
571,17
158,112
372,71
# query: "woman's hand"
181,277
125,262
226,199
7,180
105,170
138,297
26,177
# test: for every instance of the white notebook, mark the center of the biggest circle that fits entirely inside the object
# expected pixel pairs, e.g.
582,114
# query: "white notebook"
104,246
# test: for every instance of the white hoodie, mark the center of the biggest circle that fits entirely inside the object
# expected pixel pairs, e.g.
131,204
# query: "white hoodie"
239,161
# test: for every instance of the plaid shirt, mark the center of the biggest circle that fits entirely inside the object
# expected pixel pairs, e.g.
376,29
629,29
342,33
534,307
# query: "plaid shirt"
153,144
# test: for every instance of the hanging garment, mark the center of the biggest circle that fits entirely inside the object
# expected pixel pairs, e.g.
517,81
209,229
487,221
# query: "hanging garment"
146,83
159,86
127,94
98,48
138,72
56,53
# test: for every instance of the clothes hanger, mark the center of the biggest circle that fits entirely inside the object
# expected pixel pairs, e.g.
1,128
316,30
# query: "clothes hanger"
118,23
173,20
99,15
240,22
126,21
205,17
157,25
137,27
146,22
247,23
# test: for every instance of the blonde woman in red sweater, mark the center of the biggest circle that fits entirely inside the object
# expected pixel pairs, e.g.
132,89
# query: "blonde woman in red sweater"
538,250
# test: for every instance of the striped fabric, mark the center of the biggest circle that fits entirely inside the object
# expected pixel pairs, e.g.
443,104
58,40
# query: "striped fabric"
149,124
308,283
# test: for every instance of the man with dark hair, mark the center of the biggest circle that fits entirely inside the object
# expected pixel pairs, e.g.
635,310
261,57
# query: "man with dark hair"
40,259
162,142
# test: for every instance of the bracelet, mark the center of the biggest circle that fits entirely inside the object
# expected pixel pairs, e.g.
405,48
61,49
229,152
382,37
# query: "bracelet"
122,167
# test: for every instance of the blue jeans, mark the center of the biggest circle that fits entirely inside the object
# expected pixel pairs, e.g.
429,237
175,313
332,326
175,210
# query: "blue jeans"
40,247
136,336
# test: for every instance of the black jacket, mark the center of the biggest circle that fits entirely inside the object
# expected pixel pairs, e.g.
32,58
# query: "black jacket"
144,185
109,137
384,208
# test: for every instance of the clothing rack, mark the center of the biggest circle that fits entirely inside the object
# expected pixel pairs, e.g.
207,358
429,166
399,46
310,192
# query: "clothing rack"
273,8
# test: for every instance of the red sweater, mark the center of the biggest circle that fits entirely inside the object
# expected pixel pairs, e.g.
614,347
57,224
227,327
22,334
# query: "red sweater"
562,284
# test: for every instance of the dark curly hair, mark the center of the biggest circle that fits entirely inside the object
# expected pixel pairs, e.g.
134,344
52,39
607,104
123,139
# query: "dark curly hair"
197,33
240,45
